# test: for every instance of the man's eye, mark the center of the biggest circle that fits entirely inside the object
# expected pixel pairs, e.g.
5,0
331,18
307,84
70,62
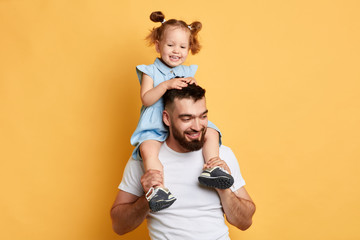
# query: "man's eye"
185,119
204,116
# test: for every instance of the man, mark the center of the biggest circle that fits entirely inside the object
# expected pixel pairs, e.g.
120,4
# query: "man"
199,211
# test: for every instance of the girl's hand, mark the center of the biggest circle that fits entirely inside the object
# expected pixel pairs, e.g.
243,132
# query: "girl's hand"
190,80
176,83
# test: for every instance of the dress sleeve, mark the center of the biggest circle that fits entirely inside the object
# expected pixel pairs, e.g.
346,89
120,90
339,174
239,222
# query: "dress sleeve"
186,71
131,178
191,70
147,69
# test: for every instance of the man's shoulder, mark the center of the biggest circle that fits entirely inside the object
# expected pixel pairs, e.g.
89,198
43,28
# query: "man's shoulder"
227,154
134,164
131,177
225,149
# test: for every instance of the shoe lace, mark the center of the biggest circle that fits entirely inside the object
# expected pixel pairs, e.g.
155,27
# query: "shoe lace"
150,194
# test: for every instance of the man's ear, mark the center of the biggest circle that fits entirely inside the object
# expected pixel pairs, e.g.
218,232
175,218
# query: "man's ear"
157,46
166,118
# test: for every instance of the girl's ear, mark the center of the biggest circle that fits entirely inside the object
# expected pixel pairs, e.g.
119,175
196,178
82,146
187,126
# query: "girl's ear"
166,118
157,46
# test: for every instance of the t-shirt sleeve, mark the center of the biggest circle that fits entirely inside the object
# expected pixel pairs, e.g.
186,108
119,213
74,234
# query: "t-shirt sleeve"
228,156
147,69
131,178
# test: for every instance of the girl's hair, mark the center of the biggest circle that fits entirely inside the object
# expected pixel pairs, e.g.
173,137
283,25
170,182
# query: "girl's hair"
156,34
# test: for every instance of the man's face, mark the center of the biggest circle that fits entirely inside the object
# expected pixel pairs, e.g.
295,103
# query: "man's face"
187,121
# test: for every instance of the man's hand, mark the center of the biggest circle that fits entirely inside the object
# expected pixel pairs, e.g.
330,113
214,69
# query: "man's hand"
217,161
152,178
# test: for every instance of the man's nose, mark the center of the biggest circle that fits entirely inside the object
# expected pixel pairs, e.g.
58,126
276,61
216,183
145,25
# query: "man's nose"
196,125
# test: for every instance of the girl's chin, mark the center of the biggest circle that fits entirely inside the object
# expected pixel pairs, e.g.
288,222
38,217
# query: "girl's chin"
172,63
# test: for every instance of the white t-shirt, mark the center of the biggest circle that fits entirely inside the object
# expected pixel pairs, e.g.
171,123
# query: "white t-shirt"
197,212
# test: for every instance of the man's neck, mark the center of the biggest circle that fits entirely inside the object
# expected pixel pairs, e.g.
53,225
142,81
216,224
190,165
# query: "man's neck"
174,145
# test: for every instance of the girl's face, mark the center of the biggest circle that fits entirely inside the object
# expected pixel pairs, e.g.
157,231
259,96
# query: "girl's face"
174,46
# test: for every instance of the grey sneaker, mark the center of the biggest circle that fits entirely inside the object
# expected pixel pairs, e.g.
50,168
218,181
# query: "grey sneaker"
216,177
159,198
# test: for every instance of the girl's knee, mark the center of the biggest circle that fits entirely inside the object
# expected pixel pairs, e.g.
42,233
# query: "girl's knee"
150,145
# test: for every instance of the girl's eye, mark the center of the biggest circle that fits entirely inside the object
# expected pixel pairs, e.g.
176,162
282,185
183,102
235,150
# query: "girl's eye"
183,47
170,45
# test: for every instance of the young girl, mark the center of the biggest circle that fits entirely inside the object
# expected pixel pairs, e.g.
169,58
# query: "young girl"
173,40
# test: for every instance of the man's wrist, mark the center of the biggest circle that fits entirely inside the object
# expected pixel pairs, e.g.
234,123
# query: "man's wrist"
144,205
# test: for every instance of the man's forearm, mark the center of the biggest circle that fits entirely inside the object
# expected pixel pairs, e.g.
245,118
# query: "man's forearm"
127,217
238,211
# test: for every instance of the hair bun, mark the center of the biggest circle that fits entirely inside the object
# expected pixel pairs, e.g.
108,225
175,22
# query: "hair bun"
196,27
157,16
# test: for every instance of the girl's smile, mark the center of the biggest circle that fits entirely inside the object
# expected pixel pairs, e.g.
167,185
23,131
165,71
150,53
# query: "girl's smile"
174,46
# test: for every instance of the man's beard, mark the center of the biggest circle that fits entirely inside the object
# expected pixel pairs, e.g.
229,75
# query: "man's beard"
192,145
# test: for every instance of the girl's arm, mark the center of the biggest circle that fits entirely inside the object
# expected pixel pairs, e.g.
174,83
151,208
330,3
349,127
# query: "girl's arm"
150,94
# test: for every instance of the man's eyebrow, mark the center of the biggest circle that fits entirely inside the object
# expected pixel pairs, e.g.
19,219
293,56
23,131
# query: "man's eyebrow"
185,115
205,112
191,115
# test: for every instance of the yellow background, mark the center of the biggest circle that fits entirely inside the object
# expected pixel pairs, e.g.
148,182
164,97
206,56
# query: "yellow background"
282,80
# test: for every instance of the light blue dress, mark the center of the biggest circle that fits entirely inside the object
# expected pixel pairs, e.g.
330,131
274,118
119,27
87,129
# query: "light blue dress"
150,125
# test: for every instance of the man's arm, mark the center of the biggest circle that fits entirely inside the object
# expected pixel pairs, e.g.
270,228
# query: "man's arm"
238,207
128,212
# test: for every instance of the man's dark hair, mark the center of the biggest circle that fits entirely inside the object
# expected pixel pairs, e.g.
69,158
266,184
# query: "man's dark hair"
192,91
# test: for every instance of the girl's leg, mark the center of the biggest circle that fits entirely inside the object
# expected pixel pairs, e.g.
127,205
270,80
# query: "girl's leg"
149,151
211,145
158,196
213,176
